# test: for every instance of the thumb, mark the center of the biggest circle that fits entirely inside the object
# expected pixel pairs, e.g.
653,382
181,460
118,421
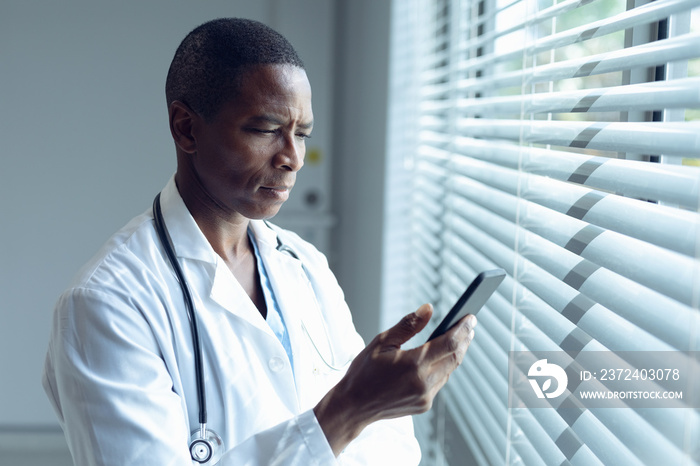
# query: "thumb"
408,326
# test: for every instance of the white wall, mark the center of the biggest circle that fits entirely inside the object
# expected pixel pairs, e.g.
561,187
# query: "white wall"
85,146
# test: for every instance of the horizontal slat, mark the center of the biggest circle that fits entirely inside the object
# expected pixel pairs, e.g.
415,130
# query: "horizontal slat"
527,20
645,14
655,138
428,166
674,184
431,139
426,189
659,225
654,224
428,276
424,289
655,53
427,209
425,230
682,93
652,54
428,242
428,229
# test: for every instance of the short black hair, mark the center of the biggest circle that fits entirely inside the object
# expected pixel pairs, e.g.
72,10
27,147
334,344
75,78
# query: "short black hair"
208,64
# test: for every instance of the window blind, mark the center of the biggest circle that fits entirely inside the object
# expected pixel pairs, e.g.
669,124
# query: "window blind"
560,142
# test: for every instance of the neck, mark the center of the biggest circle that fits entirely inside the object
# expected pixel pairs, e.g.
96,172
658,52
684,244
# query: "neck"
226,232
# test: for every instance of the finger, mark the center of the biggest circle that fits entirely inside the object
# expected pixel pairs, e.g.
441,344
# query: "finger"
443,366
464,327
460,337
454,341
408,326
471,320
440,372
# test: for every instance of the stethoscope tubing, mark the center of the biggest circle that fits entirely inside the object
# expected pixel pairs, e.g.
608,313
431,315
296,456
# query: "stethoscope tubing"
167,243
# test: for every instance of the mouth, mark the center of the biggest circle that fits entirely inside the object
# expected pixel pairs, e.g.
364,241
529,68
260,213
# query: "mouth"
280,192
280,189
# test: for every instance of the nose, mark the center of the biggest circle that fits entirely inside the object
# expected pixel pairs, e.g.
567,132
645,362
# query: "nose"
291,156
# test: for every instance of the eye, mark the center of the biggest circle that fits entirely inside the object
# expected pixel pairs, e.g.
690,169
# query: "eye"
303,135
265,131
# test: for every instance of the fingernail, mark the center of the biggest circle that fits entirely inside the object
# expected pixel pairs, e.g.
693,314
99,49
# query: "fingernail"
423,311
471,320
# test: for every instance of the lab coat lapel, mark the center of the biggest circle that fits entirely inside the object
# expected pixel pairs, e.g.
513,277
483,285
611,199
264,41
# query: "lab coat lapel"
228,293
298,304
191,245
284,272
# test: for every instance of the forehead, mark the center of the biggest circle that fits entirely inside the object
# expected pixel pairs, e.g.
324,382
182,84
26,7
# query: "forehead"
272,88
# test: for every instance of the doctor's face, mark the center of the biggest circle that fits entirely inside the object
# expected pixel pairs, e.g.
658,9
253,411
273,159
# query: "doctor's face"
247,156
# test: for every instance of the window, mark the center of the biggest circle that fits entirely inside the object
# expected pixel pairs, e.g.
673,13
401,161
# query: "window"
560,142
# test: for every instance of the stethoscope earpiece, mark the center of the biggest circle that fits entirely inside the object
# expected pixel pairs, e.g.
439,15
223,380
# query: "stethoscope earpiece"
208,450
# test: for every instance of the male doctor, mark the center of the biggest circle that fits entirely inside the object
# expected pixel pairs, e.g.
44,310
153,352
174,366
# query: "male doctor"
276,334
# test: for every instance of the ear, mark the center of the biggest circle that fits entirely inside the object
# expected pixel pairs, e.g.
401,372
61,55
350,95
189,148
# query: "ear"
182,119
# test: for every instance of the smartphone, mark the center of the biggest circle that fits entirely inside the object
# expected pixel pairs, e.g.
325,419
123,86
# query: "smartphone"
473,299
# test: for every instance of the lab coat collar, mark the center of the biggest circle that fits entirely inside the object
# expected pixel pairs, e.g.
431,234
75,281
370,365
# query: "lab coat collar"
191,244
264,235
188,239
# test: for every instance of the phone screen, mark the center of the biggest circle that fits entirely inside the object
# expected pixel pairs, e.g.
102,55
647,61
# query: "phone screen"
473,299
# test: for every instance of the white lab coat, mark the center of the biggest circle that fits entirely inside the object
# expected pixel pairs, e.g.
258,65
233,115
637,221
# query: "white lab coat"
120,373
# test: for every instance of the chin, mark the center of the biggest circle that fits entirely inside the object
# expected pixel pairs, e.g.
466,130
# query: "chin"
264,214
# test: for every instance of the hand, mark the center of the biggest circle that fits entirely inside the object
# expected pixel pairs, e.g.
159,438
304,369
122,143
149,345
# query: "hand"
385,382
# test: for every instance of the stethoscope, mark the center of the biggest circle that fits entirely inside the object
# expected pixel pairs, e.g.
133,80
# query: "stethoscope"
206,446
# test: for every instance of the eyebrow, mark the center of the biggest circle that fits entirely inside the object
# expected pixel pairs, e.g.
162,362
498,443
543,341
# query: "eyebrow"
277,121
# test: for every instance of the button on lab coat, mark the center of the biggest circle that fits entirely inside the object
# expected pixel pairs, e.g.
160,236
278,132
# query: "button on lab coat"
120,373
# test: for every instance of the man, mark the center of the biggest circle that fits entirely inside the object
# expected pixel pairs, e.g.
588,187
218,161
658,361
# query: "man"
275,332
